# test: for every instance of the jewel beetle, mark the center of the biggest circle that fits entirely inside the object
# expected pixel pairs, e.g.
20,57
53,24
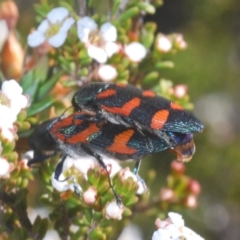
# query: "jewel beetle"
130,106
82,133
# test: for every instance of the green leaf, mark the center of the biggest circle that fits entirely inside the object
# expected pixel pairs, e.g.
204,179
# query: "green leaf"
97,235
147,7
40,106
152,76
47,87
130,13
164,64
40,227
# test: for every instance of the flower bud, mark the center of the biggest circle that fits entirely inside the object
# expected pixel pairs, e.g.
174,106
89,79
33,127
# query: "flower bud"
9,12
177,167
113,211
166,194
179,41
127,173
180,90
163,43
194,187
191,201
107,73
135,51
12,57
90,195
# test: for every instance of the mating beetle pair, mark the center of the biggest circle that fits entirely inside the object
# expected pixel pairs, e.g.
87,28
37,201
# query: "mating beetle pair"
117,120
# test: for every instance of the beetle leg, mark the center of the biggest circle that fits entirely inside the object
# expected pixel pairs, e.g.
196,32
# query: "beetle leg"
135,171
58,172
103,165
59,169
39,158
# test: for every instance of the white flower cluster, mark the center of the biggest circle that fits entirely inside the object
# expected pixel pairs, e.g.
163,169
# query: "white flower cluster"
113,211
11,103
165,43
173,228
100,42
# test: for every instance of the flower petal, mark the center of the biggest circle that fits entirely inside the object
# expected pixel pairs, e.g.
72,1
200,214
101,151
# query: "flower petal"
109,32
35,39
97,54
107,72
111,48
4,168
135,51
43,27
18,103
58,39
57,14
11,88
60,186
87,22
84,26
7,117
67,24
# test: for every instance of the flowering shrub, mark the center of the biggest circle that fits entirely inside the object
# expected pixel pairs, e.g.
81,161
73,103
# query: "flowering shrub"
67,51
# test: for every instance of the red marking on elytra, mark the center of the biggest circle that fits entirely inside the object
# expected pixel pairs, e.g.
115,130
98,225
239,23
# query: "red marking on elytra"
159,119
119,144
126,109
107,93
61,124
176,106
148,93
83,135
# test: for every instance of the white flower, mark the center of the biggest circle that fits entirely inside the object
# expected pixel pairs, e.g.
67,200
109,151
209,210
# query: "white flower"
53,29
13,91
5,168
7,118
113,211
83,164
163,43
107,73
135,51
4,33
100,43
173,228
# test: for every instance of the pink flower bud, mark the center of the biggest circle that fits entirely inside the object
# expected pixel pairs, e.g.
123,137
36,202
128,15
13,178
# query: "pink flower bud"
179,41
191,201
178,167
180,90
166,194
194,187
113,211
90,195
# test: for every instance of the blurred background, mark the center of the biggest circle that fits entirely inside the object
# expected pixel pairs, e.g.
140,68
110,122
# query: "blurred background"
211,68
